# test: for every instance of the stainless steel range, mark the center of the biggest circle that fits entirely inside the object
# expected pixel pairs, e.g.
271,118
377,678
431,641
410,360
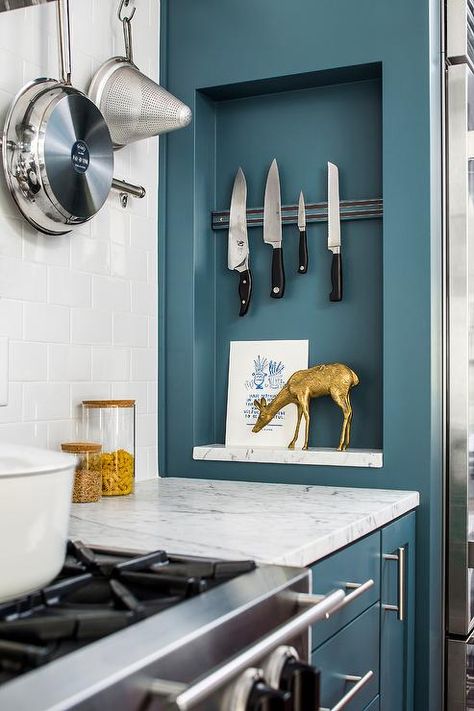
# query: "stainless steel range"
122,631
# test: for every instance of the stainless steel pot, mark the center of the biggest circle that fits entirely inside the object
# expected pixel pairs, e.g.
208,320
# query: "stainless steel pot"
57,151
35,503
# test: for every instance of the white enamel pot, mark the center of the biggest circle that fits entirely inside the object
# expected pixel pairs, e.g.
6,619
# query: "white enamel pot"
35,504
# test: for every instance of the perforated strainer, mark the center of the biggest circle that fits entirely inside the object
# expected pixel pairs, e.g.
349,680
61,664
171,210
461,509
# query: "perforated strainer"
133,105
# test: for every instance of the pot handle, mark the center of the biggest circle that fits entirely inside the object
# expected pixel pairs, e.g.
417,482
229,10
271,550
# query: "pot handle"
64,35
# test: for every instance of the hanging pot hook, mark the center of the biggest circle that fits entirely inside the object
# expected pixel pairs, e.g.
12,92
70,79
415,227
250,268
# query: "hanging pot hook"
126,10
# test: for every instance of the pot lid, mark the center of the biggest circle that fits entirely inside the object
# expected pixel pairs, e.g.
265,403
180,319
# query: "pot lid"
78,155
18,460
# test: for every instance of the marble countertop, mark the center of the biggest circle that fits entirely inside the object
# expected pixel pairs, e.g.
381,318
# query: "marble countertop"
284,524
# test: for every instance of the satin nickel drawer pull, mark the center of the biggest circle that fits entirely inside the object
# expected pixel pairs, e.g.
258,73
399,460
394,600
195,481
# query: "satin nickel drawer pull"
358,589
359,682
401,560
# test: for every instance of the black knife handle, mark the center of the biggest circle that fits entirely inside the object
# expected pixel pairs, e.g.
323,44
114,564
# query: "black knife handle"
245,290
303,253
278,274
336,278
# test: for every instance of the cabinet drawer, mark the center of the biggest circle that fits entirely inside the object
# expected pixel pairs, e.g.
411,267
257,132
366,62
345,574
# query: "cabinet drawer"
374,706
352,652
355,565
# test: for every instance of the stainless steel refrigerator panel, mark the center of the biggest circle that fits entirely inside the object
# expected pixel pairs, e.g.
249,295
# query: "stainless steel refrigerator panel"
460,435
456,688
460,30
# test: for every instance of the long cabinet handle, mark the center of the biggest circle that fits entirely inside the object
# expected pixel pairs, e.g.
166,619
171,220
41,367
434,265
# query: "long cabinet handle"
399,608
359,683
358,589
184,697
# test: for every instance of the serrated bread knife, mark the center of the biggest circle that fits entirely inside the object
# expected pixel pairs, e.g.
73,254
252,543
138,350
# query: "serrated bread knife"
272,231
238,244
303,248
334,232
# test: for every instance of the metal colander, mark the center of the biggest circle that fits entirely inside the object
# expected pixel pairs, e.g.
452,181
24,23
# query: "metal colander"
133,105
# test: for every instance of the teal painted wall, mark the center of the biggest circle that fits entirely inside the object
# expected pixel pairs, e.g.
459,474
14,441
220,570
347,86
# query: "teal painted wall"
209,44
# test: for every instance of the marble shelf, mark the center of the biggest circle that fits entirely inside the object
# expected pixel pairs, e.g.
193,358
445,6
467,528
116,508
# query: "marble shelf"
268,455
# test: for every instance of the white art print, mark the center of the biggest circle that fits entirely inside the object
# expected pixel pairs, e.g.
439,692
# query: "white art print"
260,369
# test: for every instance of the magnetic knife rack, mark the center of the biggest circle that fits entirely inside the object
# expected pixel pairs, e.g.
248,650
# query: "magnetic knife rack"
315,212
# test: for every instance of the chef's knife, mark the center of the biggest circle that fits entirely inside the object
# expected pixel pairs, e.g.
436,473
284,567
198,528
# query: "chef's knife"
334,232
303,249
272,231
238,245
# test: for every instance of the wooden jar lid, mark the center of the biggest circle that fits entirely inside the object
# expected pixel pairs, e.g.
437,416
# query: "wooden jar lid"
80,447
108,403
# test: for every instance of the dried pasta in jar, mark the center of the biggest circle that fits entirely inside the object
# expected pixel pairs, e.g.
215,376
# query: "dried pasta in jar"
112,423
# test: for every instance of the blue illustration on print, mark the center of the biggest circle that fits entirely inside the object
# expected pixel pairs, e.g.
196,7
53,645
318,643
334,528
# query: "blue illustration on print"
275,371
266,374
259,374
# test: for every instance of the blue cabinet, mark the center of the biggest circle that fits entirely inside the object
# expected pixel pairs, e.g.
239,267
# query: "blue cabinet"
397,614
367,646
351,658
356,565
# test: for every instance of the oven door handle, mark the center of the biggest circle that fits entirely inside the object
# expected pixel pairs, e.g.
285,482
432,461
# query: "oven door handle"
183,697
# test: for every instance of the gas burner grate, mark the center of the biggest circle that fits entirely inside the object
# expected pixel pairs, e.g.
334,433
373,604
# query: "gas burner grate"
100,591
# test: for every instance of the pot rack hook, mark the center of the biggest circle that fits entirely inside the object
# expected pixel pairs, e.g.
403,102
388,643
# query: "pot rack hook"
126,10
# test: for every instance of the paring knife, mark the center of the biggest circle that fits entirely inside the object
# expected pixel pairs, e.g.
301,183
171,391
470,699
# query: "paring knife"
238,245
303,250
334,232
272,231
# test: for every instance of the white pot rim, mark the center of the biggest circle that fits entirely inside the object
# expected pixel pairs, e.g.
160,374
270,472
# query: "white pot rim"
18,460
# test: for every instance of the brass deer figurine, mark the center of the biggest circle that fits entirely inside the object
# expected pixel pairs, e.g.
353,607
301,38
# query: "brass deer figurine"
334,379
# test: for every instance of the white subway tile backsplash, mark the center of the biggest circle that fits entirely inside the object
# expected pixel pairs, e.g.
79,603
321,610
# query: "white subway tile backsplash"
75,306
130,330
33,434
28,361
68,288
60,431
47,249
111,293
132,391
11,318
91,326
144,364
111,364
22,280
87,391
12,411
68,363
128,262
90,255
146,430
152,397
120,227
144,298
46,322
11,231
46,401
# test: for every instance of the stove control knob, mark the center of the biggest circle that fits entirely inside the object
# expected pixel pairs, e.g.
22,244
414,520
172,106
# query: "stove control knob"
265,698
286,672
251,693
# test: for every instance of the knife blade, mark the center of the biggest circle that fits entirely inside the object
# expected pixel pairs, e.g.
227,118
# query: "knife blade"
238,244
303,248
272,230
334,232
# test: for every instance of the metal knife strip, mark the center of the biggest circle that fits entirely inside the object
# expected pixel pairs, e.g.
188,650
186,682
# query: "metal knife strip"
315,212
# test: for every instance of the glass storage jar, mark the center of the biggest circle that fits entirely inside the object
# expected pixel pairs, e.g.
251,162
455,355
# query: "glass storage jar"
112,423
88,476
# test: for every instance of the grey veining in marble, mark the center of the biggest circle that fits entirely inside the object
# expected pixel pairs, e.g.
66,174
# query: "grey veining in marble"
283,455
272,523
